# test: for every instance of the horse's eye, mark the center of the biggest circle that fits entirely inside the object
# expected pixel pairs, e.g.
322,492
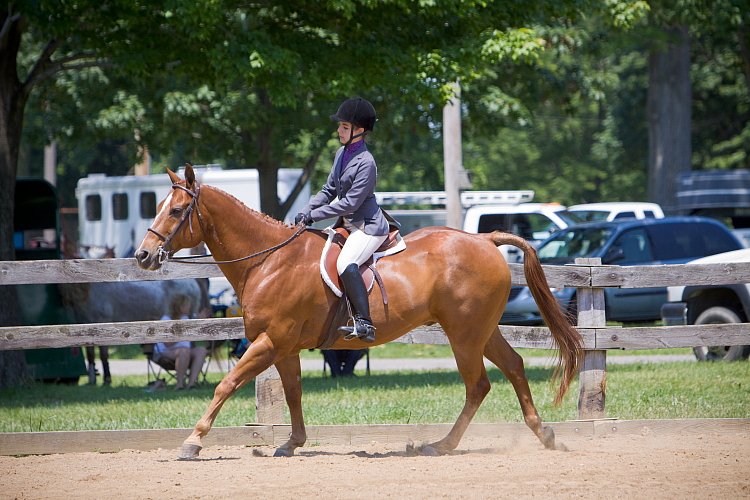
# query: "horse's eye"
175,212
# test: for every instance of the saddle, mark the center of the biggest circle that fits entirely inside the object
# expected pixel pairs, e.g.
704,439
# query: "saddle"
336,238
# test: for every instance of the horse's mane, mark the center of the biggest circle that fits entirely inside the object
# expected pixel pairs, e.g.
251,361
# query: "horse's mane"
267,218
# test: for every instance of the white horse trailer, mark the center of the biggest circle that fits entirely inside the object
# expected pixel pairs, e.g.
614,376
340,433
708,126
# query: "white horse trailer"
116,212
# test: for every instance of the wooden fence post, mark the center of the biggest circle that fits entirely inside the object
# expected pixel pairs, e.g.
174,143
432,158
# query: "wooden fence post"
269,397
593,375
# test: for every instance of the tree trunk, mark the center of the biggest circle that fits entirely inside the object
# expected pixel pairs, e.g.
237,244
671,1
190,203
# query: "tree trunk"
269,202
669,116
268,170
12,103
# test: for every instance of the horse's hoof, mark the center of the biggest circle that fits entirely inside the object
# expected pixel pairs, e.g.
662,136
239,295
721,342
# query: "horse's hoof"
429,451
283,452
189,451
411,450
548,437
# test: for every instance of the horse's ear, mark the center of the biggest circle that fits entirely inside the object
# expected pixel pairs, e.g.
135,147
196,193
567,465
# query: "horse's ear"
174,177
189,174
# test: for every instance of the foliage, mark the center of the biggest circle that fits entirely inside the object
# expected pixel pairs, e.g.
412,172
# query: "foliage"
257,82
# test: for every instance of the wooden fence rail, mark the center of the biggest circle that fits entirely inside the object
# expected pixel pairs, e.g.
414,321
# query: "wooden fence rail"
587,275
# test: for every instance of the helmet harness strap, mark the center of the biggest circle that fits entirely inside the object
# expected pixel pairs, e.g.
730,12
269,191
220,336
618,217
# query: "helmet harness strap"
351,131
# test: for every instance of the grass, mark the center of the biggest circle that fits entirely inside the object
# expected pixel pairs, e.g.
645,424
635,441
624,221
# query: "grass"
634,391
396,350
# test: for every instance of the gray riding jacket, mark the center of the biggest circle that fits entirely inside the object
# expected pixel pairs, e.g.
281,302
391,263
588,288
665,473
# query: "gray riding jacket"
354,186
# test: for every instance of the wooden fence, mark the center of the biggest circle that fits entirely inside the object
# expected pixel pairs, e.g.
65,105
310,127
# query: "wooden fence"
587,275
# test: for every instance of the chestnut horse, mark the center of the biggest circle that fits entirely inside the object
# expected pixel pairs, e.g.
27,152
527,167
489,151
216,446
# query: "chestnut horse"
445,276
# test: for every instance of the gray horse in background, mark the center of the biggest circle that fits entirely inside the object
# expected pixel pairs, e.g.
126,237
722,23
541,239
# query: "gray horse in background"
128,301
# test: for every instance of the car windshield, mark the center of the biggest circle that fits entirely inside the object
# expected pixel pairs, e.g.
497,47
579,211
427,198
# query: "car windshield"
570,218
590,215
569,244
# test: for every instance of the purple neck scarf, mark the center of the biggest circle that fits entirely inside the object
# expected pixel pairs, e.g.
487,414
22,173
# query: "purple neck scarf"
350,152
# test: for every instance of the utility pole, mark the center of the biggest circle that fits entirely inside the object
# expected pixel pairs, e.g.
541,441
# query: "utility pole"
452,159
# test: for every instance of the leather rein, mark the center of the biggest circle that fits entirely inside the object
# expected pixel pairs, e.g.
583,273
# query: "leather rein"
164,254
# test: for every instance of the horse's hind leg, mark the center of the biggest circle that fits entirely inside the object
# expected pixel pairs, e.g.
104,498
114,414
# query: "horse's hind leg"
91,363
104,356
259,356
468,353
510,363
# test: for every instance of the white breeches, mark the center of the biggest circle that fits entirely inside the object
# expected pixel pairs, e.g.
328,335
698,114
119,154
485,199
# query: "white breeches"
358,248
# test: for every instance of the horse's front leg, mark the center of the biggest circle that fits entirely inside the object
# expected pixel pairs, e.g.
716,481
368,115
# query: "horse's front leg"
291,379
258,357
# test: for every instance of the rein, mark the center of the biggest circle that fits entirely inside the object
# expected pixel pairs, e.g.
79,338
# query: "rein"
184,260
164,254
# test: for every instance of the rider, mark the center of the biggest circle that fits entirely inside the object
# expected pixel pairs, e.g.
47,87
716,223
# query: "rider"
349,193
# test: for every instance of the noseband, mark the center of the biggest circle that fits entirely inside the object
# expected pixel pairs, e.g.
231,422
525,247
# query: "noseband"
163,252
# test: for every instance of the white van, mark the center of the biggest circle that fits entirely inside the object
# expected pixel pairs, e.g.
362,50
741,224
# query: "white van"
614,210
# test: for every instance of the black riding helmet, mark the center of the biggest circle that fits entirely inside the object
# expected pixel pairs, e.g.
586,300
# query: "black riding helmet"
357,111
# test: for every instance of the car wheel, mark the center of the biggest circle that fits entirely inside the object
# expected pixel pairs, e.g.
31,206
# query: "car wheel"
714,316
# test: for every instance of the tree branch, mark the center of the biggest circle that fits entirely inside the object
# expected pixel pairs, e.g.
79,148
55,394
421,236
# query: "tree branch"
5,30
58,68
41,66
74,57
306,173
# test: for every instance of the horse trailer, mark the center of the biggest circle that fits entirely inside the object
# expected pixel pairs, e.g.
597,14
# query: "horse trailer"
720,194
36,236
114,212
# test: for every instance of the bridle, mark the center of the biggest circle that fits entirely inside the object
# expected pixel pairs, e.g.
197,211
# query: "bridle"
164,254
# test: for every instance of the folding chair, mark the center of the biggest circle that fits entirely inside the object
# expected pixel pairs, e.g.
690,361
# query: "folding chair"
155,369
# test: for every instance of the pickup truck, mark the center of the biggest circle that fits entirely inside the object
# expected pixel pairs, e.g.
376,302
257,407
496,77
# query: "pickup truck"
483,212
711,304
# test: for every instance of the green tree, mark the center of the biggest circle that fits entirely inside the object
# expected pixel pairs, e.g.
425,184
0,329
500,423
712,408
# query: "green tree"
293,59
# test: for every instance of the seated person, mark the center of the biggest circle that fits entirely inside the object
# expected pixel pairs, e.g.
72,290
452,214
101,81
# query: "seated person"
342,361
188,360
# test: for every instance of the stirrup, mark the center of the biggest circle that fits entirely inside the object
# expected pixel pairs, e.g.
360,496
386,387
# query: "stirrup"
360,330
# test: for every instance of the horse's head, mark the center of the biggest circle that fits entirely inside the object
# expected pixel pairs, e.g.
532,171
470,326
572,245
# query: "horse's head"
177,224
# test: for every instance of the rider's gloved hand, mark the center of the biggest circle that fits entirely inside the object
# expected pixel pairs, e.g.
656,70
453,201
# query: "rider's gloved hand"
304,218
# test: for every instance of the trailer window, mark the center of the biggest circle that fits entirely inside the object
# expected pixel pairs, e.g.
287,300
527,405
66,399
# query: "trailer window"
148,205
120,206
93,207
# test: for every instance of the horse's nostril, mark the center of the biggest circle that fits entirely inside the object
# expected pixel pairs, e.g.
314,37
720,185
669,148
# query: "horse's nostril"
141,256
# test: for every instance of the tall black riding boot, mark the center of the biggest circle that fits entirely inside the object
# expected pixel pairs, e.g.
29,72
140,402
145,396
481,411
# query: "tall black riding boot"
355,290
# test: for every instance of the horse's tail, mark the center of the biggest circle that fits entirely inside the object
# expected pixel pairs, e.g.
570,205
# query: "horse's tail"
566,337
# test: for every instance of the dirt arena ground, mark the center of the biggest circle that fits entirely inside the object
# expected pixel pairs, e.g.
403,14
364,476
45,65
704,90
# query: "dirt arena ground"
619,466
